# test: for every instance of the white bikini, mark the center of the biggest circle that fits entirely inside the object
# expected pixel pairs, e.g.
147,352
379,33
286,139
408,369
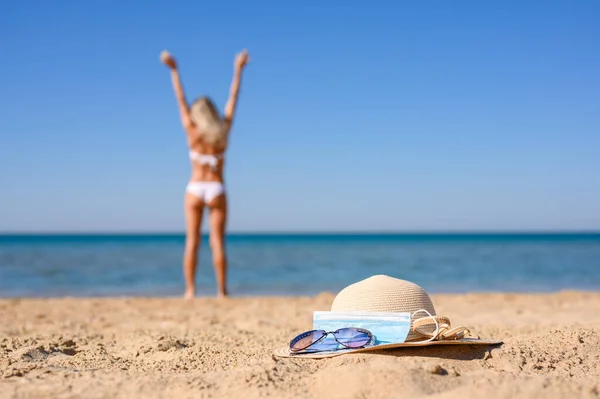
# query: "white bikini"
206,190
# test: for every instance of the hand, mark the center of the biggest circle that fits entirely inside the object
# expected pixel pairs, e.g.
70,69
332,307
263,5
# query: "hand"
167,59
241,59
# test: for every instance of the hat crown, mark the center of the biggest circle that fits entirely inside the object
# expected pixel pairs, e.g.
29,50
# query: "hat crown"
383,293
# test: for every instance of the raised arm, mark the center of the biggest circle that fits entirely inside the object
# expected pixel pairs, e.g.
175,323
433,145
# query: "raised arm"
238,66
169,61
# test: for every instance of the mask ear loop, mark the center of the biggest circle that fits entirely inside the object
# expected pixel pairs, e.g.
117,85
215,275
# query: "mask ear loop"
437,326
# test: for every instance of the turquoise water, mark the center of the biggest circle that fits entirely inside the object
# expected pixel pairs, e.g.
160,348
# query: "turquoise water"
291,264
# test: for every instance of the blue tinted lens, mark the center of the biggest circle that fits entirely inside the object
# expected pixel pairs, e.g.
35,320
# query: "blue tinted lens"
353,337
306,339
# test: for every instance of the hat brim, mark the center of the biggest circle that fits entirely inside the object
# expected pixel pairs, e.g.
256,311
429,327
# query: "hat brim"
285,351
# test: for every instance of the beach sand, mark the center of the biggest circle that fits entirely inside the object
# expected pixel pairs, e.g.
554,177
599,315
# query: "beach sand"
167,348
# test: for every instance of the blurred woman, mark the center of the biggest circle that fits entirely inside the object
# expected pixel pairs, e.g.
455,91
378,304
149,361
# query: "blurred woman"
207,135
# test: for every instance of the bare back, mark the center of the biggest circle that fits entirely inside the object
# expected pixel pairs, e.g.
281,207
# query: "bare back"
205,172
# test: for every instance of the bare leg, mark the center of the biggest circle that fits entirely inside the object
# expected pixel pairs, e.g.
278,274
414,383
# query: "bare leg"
193,221
218,220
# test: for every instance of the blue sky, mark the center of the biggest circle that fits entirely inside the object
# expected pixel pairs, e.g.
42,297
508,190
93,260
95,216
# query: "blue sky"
383,115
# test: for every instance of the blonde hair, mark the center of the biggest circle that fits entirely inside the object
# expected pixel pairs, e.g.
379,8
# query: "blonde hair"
210,125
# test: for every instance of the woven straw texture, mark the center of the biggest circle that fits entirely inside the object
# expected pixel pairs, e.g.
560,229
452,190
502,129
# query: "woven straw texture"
383,294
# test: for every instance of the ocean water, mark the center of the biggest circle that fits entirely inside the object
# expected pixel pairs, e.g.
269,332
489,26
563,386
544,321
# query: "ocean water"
297,264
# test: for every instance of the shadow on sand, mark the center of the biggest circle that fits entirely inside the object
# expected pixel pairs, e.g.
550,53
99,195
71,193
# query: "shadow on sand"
455,352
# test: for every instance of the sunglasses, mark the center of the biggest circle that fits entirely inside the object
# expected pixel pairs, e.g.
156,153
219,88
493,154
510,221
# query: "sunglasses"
352,338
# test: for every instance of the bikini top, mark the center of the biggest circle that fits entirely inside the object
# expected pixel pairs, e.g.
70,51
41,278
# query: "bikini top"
206,159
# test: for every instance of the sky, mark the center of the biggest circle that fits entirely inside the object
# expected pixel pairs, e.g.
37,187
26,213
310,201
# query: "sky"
353,116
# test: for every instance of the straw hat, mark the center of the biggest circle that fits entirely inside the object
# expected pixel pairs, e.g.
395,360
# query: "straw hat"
382,293
387,294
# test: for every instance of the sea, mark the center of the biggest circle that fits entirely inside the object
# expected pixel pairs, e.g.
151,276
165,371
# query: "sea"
150,265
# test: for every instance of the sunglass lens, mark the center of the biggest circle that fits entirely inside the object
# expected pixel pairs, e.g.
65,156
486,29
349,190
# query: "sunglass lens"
306,339
353,337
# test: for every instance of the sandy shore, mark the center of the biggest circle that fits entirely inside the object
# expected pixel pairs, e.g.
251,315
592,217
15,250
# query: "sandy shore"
166,348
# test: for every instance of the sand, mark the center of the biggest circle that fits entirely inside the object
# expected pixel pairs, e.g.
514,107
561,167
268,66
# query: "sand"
210,348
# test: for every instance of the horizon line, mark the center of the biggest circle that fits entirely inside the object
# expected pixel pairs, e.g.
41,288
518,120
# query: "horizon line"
307,232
